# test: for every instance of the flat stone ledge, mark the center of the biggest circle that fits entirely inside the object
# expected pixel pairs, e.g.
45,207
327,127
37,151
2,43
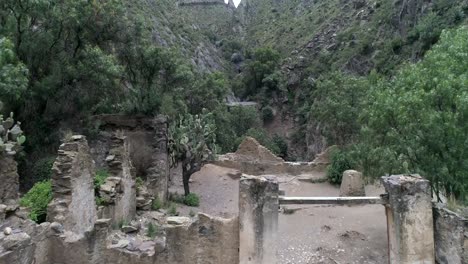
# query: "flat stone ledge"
334,200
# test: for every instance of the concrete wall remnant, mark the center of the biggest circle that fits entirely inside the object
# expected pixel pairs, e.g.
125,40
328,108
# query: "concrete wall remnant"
409,218
258,220
73,172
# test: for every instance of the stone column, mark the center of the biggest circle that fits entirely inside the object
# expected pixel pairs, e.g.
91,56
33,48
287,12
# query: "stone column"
9,180
73,172
258,220
409,220
157,178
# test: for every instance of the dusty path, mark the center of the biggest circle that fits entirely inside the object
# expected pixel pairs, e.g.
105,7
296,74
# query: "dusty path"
312,234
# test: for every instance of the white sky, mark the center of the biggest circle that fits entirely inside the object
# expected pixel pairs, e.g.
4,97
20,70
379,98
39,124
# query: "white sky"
236,2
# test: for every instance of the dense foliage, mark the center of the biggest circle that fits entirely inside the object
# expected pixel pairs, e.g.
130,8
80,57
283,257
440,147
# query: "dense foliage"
415,122
37,200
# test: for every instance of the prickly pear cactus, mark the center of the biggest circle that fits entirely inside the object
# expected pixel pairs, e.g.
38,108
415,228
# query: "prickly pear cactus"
11,135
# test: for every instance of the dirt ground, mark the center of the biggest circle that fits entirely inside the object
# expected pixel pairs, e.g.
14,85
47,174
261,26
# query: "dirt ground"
319,234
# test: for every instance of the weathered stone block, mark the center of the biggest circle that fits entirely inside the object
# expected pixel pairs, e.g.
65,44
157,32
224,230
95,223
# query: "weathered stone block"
450,234
352,184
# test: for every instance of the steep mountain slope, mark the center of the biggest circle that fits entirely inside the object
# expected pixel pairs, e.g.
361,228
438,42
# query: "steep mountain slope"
316,38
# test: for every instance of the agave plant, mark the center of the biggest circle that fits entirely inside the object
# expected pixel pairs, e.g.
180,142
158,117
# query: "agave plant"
11,135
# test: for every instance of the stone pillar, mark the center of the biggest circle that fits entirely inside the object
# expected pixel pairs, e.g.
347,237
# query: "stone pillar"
352,184
258,220
409,220
9,180
73,172
119,190
157,178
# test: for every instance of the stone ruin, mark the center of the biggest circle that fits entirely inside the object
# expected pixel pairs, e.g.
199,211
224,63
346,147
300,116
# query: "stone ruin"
146,144
80,232
254,159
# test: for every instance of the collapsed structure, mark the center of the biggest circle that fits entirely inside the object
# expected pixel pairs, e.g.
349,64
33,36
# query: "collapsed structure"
115,223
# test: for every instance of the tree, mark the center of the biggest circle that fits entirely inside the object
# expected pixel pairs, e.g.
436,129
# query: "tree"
13,74
418,120
338,99
192,142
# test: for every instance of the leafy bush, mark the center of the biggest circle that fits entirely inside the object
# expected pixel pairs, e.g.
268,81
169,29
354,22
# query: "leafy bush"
37,200
100,178
151,230
43,168
172,210
192,200
267,114
282,145
340,162
156,204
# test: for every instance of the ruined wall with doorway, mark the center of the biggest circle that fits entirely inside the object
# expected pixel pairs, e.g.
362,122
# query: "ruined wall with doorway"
147,144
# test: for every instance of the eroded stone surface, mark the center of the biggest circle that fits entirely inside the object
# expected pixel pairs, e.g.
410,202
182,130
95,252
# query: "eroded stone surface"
118,193
9,187
73,172
450,233
410,220
258,220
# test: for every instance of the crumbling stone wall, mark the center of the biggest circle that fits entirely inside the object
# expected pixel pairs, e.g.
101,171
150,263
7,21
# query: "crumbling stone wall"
451,236
73,172
118,193
254,159
9,180
147,144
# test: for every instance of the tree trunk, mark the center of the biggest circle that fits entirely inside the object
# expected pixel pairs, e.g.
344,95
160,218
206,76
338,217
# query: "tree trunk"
185,179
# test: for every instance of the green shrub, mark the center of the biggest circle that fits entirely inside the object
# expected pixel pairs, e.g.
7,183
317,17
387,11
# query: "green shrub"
156,204
192,200
43,169
172,210
192,213
340,162
139,182
176,197
267,114
282,145
37,200
151,231
100,178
